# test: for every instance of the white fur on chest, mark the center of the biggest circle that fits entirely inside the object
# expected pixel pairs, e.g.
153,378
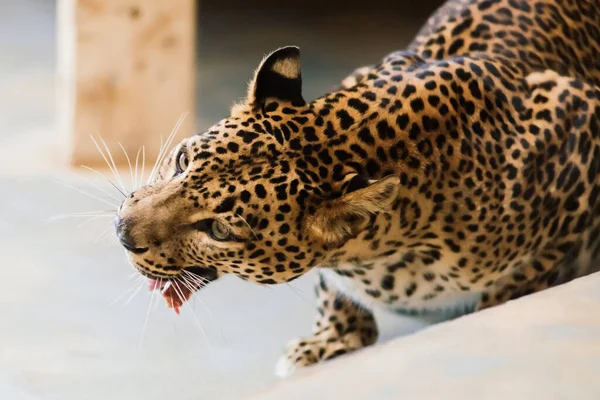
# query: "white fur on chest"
447,302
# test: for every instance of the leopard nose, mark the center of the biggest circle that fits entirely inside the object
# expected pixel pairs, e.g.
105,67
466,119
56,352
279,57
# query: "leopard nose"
124,235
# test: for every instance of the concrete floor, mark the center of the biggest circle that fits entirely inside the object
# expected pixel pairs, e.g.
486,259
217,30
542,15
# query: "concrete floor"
60,337
543,346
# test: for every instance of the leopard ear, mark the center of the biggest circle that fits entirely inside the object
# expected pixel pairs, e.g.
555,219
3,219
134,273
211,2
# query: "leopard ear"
336,221
277,77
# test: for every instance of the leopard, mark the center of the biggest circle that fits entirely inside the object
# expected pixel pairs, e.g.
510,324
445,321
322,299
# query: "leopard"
460,172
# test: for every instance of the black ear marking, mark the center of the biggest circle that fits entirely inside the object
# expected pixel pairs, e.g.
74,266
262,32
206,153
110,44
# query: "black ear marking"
279,77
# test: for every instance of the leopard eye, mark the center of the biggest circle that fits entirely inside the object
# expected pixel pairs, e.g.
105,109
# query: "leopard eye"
219,231
182,162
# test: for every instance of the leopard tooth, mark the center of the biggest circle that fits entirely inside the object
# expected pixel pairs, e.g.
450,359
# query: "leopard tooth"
167,285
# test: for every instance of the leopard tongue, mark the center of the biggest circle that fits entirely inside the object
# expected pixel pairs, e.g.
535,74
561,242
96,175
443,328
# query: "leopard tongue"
174,296
153,284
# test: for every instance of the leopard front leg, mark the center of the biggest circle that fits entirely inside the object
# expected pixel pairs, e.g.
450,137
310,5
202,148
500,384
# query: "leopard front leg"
342,326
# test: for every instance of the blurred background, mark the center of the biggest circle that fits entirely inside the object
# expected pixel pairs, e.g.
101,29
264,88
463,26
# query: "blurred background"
66,330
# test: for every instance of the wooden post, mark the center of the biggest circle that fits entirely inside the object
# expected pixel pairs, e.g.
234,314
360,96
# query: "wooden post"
126,71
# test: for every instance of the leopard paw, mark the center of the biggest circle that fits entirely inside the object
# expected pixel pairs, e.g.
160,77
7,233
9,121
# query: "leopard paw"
302,353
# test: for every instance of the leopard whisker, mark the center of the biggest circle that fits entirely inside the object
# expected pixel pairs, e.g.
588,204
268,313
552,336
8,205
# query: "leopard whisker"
183,303
115,186
111,167
129,163
247,224
114,165
195,286
140,286
137,160
88,194
160,150
197,278
135,274
81,215
135,271
93,218
113,239
104,233
185,282
98,187
138,179
171,137
109,181
190,286
191,279
148,312
295,290
197,283
164,148
137,283
143,165
194,275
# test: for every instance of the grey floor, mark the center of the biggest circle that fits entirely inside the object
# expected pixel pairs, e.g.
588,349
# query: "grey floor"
60,337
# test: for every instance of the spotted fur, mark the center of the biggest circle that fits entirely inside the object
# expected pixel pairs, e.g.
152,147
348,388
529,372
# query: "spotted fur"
464,170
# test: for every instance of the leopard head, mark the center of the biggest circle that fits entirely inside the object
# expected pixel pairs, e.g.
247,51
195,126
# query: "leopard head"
256,195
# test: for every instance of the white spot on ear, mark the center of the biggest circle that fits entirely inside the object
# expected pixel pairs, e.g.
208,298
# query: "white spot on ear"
287,67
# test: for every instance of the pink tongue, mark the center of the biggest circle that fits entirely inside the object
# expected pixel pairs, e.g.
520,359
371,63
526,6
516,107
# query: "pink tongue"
154,284
175,295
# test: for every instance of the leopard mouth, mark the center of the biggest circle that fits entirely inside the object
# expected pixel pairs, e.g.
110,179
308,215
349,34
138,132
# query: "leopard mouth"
207,274
178,289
